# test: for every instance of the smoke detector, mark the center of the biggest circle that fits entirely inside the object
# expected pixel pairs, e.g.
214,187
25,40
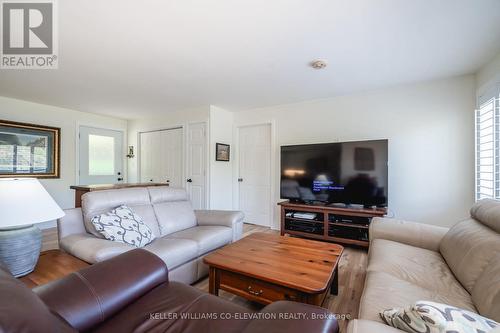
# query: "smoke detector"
318,64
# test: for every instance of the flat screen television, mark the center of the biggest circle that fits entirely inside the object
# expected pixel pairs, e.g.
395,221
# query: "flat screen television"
341,172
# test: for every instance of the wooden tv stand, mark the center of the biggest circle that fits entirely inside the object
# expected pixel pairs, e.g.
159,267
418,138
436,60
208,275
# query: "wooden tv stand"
334,224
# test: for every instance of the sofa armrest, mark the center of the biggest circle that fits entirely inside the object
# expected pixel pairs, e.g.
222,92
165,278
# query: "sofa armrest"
411,233
370,326
227,218
71,223
291,317
93,294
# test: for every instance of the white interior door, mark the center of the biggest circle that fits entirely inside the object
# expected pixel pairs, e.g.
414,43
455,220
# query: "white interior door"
196,173
255,173
100,156
161,157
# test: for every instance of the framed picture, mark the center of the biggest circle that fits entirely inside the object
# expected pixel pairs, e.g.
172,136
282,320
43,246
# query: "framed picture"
221,152
28,150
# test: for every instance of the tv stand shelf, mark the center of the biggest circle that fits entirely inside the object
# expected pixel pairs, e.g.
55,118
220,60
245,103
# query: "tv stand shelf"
335,224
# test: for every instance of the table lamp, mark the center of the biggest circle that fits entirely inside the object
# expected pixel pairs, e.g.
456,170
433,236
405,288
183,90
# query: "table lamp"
23,203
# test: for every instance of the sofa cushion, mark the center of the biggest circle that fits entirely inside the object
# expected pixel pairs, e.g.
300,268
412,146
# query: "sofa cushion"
185,273
383,291
421,267
487,212
147,213
174,216
369,326
207,238
92,249
161,310
123,225
98,202
167,194
468,247
174,252
486,292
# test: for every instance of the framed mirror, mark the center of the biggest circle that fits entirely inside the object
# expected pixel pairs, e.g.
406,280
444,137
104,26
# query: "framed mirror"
28,150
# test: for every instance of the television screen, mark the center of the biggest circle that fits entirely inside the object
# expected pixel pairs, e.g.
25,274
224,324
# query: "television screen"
344,172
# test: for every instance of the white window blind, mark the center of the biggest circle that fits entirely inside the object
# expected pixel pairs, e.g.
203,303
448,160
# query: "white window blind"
488,147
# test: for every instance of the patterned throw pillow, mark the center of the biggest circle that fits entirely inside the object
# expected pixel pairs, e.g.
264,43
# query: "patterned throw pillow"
124,226
430,317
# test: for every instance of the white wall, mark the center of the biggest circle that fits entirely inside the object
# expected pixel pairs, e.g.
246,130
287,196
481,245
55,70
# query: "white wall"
430,127
168,120
68,120
488,74
221,173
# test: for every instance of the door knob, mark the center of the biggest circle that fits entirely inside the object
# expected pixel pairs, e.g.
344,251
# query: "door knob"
240,179
189,180
119,179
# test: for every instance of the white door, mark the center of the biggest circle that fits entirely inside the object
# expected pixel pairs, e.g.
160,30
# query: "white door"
195,181
161,157
100,156
255,173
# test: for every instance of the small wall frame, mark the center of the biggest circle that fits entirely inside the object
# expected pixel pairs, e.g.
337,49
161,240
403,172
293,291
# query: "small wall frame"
222,152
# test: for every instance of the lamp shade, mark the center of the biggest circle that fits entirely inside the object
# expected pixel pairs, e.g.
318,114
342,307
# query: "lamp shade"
24,201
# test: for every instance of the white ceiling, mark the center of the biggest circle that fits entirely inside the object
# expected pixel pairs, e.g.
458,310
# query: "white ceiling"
139,58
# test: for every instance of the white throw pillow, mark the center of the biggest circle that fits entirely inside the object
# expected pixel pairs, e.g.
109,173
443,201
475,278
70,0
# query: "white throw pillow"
123,225
430,317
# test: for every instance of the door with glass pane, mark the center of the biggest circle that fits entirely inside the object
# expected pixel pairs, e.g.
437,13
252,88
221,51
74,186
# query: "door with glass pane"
101,156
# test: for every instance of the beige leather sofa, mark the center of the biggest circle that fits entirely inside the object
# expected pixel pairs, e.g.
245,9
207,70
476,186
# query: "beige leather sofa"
411,261
183,235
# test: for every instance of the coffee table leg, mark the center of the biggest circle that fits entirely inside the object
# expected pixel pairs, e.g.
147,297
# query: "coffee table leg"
213,281
334,289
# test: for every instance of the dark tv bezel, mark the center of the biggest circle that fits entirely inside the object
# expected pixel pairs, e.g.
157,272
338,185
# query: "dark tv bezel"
329,143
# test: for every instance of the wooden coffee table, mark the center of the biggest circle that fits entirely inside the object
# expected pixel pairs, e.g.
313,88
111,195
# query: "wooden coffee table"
266,268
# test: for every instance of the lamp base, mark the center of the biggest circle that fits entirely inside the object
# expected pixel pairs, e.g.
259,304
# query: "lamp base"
20,249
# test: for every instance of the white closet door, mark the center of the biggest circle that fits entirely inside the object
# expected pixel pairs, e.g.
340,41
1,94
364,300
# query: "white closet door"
171,157
161,157
147,145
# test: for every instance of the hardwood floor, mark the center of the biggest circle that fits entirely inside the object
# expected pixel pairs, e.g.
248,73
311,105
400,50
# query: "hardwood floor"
52,265
352,270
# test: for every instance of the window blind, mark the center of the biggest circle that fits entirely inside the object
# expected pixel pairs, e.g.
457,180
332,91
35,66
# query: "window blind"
488,148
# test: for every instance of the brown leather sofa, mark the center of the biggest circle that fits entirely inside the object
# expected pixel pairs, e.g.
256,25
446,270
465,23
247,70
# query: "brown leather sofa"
131,293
